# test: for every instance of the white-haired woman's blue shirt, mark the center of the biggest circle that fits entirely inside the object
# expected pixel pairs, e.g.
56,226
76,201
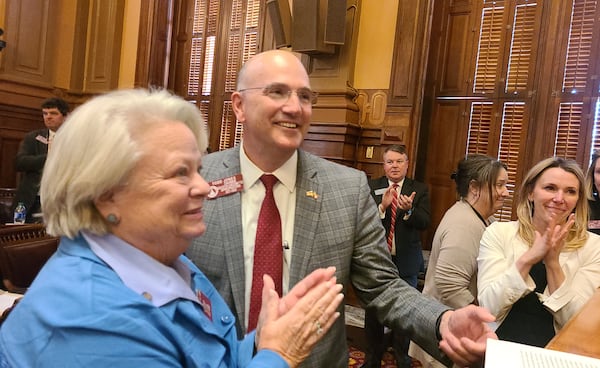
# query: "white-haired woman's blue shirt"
100,302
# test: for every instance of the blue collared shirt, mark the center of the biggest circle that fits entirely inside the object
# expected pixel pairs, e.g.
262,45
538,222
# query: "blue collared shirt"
88,309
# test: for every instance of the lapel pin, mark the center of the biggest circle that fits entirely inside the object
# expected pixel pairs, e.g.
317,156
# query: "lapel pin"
312,194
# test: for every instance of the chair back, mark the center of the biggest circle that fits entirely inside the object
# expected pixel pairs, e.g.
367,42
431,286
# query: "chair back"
24,249
7,196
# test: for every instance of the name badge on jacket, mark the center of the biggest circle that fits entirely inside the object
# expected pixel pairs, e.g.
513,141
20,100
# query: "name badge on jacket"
225,186
42,139
380,191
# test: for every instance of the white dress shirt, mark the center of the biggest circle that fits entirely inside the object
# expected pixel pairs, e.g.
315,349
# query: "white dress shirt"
252,197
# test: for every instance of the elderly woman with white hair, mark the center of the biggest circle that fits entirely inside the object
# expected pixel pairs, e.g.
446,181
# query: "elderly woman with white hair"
122,188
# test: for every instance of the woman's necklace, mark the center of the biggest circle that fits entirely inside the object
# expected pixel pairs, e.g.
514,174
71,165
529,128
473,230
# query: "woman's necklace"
485,223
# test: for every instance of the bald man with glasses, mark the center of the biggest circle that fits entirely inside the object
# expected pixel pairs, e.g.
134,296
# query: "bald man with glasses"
327,218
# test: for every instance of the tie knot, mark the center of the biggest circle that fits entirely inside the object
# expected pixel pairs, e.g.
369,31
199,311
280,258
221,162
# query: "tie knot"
395,186
269,180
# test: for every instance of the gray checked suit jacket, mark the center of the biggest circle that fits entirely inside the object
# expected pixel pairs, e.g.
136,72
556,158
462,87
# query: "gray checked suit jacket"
339,228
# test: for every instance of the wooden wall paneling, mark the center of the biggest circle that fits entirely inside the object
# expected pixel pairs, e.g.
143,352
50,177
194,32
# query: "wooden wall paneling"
430,84
444,124
454,63
409,48
104,47
161,42
15,123
9,146
78,64
30,42
397,126
407,79
446,146
334,131
336,142
181,49
144,46
369,153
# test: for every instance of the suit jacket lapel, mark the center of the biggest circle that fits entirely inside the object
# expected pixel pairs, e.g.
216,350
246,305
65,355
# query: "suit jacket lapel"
229,209
308,209
407,187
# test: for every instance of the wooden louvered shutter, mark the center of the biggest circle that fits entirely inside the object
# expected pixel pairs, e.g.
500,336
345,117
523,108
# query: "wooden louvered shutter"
202,54
225,33
577,115
521,48
487,66
580,46
512,137
480,124
242,44
569,126
503,77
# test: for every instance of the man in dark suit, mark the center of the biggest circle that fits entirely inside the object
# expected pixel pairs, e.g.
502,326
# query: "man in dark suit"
32,153
328,218
404,209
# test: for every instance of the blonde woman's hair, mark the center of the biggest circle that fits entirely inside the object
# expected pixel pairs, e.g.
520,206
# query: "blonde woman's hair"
578,235
97,147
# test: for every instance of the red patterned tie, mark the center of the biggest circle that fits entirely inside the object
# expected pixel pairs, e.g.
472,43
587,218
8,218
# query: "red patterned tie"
393,210
268,252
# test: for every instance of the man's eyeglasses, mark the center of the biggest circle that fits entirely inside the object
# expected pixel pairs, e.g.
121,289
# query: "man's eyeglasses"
281,93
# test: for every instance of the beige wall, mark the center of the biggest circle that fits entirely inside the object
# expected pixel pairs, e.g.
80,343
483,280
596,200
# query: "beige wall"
129,45
2,10
375,44
66,32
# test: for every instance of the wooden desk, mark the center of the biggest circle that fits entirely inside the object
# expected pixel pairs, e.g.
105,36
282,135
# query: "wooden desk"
581,335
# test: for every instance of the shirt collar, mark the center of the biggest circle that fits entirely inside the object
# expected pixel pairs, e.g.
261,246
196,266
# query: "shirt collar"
400,183
286,173
141,273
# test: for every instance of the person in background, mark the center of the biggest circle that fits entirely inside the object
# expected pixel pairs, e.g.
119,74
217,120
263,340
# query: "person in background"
328,218
451,274
123,190
537,272
31,156
404,210
592,183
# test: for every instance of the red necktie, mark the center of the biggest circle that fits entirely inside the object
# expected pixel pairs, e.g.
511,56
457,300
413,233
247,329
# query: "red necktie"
393,210
268,252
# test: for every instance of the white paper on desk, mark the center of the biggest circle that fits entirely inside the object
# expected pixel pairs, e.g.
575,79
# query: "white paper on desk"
7,300
509,354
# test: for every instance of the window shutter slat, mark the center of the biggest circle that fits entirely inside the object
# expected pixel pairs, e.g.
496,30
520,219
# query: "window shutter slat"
568,128
479,127
488,54
521,47
511,135
580,46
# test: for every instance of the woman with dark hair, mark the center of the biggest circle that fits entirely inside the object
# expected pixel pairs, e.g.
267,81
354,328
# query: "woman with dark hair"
537,272
592,182
452,269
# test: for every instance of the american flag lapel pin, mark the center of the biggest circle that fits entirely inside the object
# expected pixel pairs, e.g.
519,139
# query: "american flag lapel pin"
312,194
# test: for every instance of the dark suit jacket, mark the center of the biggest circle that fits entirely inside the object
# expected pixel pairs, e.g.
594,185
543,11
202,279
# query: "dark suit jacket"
338,228
407,233
30,162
